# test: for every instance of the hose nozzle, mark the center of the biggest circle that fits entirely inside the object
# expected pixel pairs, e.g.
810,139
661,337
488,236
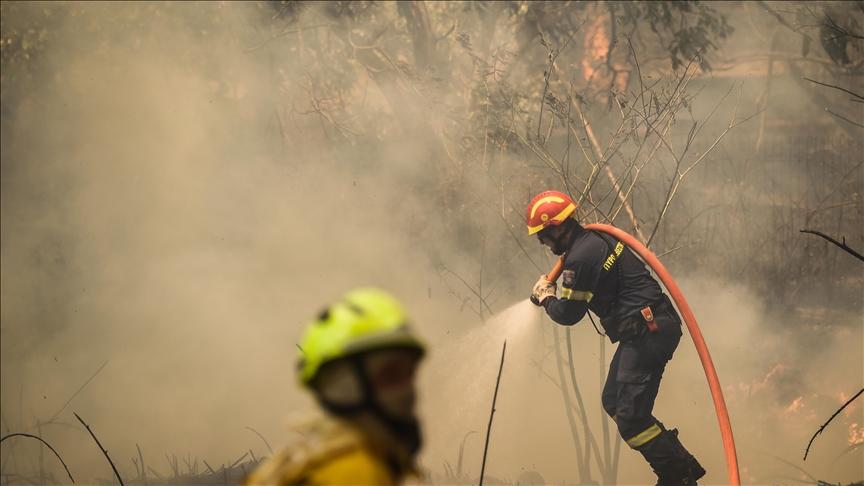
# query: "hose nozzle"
551,277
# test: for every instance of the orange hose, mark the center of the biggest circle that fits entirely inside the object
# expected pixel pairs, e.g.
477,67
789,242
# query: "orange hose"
553,274
695,333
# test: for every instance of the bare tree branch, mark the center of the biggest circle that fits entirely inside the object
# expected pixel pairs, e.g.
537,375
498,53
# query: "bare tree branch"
19,434
679,174
105,452
589,436
141,458
846,119
261,436
472,289
816,96
835,87
568,405
780,19
842,245
492,413
822,427
99,370
156,473
792,465
602,156
238,460
462,451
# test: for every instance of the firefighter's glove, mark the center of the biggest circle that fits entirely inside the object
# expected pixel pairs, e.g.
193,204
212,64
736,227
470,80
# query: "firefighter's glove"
542,290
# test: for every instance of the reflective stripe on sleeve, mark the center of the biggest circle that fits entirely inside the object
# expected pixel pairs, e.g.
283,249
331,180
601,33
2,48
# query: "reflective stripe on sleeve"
645,436
571,294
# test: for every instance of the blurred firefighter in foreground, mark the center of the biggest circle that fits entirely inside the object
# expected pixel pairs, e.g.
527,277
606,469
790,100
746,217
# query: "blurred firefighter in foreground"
358,359
602,275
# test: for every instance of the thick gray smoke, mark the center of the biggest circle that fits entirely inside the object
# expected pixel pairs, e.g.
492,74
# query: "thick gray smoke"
172,207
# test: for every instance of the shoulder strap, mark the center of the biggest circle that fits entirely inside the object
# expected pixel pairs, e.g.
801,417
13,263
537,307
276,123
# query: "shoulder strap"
614,256
613,250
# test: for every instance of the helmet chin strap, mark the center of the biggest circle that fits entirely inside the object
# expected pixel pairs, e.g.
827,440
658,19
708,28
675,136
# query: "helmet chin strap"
406,431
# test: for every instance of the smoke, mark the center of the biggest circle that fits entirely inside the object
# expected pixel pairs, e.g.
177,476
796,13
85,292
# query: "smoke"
173,205
147,223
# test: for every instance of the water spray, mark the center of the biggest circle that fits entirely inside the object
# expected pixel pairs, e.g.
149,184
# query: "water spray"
701,348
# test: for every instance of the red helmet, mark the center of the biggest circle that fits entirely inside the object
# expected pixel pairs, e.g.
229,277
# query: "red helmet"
549,208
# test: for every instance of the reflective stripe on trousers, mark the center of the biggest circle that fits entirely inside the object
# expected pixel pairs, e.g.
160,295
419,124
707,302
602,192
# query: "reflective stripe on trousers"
633,383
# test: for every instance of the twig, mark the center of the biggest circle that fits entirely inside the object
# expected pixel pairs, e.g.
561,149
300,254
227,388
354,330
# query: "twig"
848,450
141,458
792,465
842,245
607,452
492,414
239,459
847,120
19,434
462,452
835,87
552,55
822,427
105,452
780,19
259,435
840,31
669,251
602,158
11,452
156,473
590,442
283,34
568,405
172,463
679,174
519,243
816,96
41,456
77,392
188,461
472,289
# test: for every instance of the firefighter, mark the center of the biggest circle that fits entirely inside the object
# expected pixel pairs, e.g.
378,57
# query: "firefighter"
602,275
358,359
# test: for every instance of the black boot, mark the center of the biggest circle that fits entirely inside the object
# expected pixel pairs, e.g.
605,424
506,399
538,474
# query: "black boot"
672,463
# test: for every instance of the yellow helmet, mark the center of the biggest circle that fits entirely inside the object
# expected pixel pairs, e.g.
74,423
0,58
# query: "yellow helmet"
365,319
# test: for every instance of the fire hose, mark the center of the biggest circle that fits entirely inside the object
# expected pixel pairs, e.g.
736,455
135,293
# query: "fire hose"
695,333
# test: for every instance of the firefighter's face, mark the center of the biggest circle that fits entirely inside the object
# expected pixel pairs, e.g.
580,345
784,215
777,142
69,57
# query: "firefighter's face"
381,389
555,238
391,374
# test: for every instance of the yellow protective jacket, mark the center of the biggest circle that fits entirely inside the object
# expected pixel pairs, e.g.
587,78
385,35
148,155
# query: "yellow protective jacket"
331,454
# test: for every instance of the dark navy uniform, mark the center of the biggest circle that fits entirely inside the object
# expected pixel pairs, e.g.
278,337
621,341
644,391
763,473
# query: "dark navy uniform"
602,275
